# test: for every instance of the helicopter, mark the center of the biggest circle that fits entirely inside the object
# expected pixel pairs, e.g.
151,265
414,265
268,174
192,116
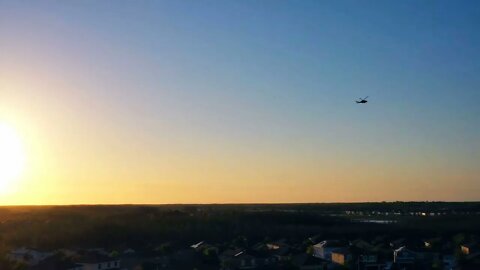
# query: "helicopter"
362,100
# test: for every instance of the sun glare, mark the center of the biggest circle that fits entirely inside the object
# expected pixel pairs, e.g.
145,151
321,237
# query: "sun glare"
12,157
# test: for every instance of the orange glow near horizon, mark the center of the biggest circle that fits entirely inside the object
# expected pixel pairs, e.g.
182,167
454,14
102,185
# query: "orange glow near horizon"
90,163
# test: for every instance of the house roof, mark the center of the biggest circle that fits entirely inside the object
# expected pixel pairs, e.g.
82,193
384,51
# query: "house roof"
55,262
24,250
432,240
330,243
397,242
263,250
404,249
260,246
232,252
360,243
197,245
280,242
343,251
470,245
93,257
186,259
306,259
183,255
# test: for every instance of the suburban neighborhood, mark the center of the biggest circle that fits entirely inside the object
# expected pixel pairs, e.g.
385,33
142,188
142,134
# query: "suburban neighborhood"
356,236
361,254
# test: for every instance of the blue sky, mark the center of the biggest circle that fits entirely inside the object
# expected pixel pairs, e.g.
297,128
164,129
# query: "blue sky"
273,76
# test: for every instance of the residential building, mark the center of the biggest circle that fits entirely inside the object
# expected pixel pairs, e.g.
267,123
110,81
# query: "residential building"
324,249
29,256
341,256
96,261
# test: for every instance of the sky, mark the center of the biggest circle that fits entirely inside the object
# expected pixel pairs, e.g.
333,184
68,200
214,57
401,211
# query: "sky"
119,102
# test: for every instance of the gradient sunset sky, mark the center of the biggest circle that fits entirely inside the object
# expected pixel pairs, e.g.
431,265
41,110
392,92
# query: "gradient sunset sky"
241,101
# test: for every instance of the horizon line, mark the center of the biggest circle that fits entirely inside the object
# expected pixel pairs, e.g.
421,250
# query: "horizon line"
230,203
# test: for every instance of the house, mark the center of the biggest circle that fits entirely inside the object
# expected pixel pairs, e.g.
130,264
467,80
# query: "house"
428,256
97,261
341,256
188,258
264,255
370,261
128,251
426,259
397,243
247,261
277,244
196,246
432,242
362,244
207,251
271,253
57,262
449,262
29,256
238,259
135,262
323,250
368,258
101,251
308,262
468,249
280,248
403,256
70,252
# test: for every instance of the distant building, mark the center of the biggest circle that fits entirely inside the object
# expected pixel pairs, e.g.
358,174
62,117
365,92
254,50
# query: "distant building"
324,249
432,243
187,259
370,261
134,262
197,246
57,262
397,243
29,256
271,252
404,256
341,256
362,244
308,262
96,261
238,259
468,249
274,245
449,262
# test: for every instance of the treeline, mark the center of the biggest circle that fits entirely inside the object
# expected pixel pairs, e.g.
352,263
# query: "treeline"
148,226
140,226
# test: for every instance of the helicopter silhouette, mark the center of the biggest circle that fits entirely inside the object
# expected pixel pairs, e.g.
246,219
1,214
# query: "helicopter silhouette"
362,100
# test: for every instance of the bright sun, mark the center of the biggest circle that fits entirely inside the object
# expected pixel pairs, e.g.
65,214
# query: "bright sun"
12,156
